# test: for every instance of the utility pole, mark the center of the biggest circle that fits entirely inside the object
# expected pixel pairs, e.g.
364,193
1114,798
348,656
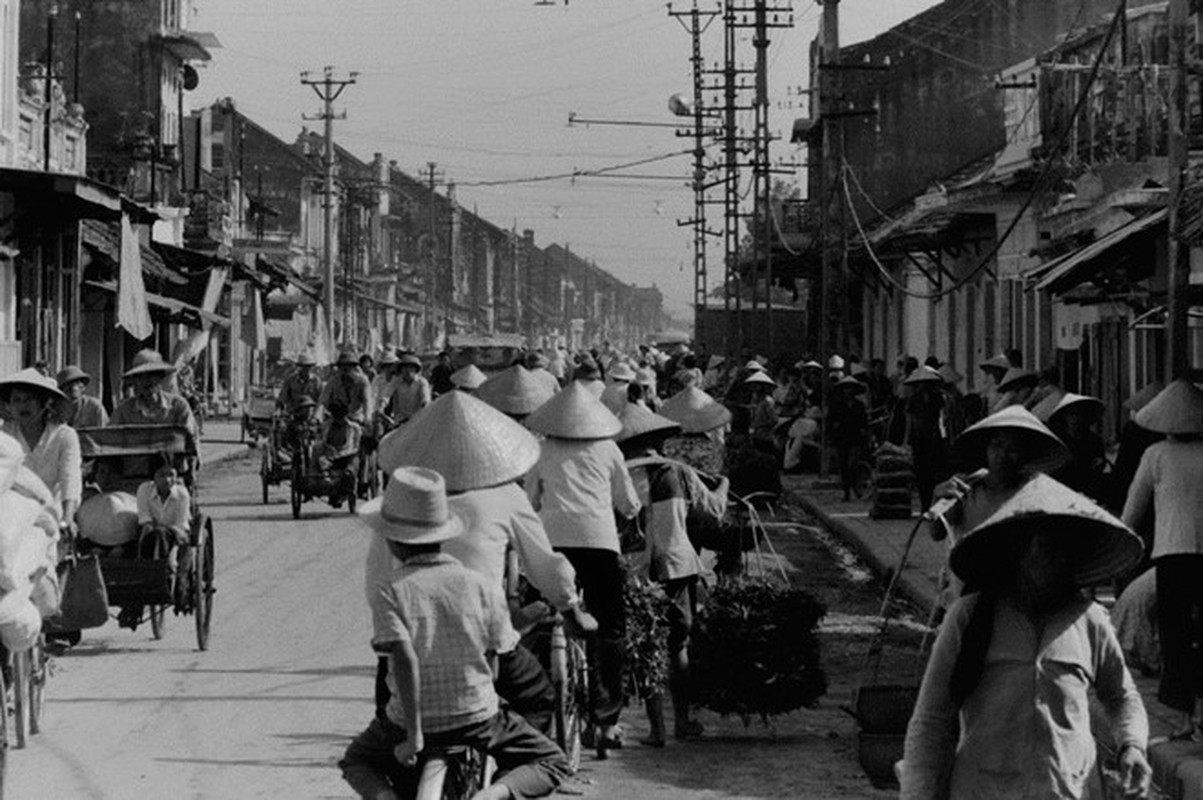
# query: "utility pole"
48,98
699,21
1178,355
432,283
735,337
831,234
328,88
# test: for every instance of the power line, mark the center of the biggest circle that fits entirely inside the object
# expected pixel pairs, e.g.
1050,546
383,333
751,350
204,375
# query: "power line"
580,173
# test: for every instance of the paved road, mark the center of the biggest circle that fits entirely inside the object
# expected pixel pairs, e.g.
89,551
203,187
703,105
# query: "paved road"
268,709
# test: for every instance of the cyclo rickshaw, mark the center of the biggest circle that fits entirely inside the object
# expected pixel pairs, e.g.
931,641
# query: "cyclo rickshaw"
346,478
275,463
120,458
257,416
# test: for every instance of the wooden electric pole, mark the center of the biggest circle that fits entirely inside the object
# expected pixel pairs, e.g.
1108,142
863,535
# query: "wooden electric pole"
1178,355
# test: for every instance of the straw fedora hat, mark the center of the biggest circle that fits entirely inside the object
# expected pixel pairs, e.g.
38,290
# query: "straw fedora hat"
574,413
642,426
469,377
1105,547
149,362
306,359
696,411
515,391
409,360
851,384
923,374
645,376
1016,378
1177,409
30,378
413,509
1077,402
71,374
471,444
760,376
1142,398
621,372
1047,451
387,358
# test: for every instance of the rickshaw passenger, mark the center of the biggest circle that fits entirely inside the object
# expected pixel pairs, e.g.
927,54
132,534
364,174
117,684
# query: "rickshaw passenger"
349,387
300,428
301,383
152,403
339,440
165,510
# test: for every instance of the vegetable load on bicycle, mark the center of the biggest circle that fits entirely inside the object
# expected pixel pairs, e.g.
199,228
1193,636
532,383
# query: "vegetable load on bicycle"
141,516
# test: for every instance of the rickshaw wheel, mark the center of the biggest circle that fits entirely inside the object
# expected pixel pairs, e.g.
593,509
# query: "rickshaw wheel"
158,621
265,472
296,503
202,586
39,673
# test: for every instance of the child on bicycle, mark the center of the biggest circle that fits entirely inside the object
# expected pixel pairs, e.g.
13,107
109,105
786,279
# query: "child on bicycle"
443,625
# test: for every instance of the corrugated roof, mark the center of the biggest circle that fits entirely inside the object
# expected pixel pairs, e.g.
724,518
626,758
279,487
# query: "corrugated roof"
1068,270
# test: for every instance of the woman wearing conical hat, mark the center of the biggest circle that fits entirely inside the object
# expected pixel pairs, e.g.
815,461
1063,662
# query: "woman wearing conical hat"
1003,710
703,421
1074,420
51,447
1133,442
996,457
671,493
578,483
482,455
515,391
1167,486
926,432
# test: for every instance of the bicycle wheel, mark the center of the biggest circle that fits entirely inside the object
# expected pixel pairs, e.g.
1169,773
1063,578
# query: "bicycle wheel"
39,673
5,734
572,699
202,586
21,699
158,621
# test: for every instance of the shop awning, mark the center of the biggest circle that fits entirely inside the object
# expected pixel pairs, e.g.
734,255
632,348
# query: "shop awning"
187,313
1073,268
194,262
80,197
104,238
276,267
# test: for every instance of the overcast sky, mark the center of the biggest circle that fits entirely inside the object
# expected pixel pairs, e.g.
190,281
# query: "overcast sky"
484,89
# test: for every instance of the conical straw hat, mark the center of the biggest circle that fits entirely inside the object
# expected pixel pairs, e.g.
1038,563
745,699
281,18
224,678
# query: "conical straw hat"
1044,409
640,423
469,377
1177,409
1105,549
852,384
999,361
1078,402
1017,378
30,378
760,377
1046,450
574,413
471,444
515,391
696,411
1142,398
923,374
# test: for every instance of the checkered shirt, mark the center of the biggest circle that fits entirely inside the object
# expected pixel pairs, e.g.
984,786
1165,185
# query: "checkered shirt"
452,617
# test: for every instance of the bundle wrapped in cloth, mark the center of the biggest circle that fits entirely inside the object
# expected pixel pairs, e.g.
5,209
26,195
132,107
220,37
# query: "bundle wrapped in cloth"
28,556
109,519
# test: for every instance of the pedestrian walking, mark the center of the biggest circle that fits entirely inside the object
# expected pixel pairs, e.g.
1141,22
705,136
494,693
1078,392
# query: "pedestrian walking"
847,426
577,485
925,434
1073,419
1003,710
482,455
1167,486
671,493
1133,442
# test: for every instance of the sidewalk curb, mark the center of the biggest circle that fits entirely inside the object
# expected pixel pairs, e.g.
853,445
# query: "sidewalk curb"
914,591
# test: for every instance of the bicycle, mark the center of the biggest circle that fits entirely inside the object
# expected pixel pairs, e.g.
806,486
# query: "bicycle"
454,773
569,673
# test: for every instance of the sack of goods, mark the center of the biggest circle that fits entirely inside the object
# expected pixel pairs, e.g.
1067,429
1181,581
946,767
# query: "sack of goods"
20,622
109,519
28,541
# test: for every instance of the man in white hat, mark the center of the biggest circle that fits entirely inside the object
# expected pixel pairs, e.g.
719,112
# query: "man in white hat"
152,403
301,382
79,410
348,386
441,622
382,385
618,381
482,454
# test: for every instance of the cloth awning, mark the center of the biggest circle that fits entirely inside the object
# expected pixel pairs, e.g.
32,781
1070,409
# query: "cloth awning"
104,238
75,195
188,313
193,262
1073,268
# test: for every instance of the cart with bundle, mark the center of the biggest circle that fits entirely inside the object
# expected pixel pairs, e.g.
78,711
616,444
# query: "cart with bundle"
340,479
258,417
119,459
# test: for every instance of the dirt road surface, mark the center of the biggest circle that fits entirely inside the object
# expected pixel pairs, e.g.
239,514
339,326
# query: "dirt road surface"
287,681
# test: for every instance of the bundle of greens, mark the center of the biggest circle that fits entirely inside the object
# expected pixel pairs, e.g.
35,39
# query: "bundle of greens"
755,649
646,641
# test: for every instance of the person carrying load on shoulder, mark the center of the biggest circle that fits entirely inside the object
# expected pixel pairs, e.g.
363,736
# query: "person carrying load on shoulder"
442,626
996,457
577,485
483,455
671,493
1003,710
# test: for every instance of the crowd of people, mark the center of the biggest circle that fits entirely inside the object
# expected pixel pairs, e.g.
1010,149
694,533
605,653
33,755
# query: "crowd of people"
585,468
